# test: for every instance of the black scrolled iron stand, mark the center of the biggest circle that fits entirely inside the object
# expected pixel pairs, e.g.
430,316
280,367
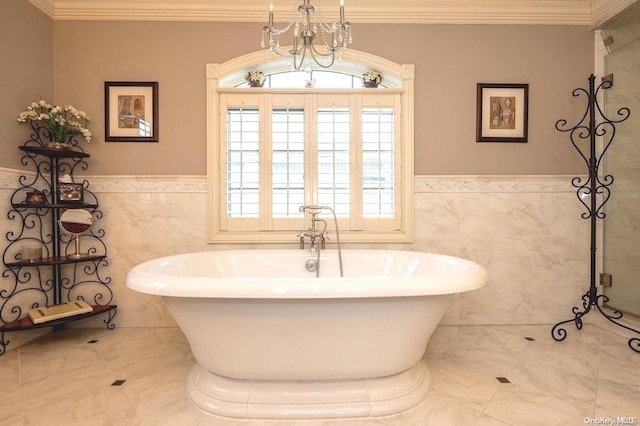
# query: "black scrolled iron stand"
594,124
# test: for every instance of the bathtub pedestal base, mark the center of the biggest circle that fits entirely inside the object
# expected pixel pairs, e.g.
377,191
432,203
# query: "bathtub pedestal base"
263,399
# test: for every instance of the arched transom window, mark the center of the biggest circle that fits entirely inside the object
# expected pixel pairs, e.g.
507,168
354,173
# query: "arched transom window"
309,137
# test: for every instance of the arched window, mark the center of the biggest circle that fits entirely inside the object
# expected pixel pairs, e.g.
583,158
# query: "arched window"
309,137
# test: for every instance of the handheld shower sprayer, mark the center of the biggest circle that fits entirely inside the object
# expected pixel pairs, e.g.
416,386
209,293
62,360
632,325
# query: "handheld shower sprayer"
312,209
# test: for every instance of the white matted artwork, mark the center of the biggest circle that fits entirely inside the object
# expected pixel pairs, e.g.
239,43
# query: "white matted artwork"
131,111
502,112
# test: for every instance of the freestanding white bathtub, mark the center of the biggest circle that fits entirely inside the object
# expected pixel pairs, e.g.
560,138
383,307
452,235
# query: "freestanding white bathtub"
272,340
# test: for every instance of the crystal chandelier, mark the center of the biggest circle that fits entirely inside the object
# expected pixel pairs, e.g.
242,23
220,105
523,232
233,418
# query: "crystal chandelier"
307,24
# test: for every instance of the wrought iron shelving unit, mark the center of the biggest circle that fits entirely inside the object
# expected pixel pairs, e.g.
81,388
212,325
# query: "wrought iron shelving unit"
595,189
56,277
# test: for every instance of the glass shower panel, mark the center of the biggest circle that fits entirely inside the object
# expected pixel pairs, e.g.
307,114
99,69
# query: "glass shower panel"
622,223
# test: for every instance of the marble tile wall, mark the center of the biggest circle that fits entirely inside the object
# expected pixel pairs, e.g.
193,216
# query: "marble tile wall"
526,231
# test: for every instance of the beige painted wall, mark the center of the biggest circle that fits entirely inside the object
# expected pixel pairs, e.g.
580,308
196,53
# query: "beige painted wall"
449,59
26,71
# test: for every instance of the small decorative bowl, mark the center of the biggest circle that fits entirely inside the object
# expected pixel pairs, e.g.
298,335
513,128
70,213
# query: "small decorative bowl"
35,197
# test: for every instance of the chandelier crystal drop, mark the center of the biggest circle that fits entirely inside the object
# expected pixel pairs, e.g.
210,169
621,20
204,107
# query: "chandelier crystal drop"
307,21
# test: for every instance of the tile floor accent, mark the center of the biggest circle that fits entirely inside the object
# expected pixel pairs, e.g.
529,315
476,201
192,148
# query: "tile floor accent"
65,378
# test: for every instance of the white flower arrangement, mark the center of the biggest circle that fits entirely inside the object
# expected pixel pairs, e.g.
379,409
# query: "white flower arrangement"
61,122
372,76
255,77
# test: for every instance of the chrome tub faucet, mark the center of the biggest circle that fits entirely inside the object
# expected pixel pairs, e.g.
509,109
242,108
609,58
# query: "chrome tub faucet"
318,234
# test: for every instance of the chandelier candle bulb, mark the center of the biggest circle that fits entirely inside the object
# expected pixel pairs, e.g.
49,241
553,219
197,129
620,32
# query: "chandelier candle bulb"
342,11
270,14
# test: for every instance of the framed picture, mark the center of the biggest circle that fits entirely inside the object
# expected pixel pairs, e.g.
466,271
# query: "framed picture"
502,112
131,111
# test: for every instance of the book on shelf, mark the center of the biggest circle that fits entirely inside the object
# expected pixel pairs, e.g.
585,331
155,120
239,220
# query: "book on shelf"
50,313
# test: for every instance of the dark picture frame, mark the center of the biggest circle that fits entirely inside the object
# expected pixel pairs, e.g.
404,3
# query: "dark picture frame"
131,111
502,112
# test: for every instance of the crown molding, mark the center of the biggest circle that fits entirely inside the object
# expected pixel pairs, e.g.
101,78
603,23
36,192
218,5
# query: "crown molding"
595,13
554,12
546,12
604,10
46,6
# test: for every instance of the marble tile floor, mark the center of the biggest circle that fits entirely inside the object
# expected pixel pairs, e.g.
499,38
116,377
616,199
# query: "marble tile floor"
482,376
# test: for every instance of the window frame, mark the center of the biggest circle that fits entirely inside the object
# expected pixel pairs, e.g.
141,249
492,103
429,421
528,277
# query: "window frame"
220,81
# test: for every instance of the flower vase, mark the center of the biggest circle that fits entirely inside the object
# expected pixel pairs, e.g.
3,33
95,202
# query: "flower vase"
369,84
58,145
255,84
